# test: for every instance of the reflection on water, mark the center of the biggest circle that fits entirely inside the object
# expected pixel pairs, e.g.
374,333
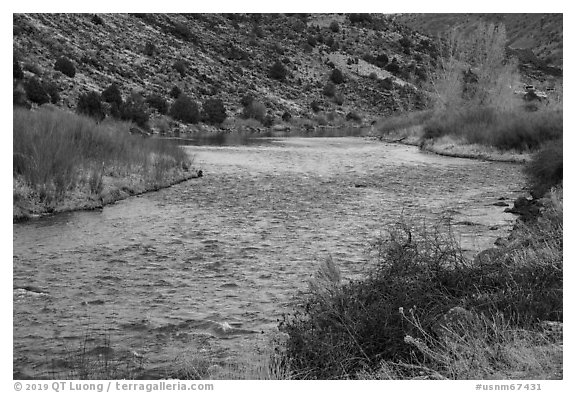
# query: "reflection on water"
208,265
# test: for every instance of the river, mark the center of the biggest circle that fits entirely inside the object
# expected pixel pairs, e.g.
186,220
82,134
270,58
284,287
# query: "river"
209,265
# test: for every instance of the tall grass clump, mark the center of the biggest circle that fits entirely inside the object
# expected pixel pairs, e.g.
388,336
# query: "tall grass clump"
424,309
56,151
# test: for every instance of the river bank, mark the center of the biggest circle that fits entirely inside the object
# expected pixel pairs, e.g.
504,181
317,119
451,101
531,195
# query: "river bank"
450,146
27,203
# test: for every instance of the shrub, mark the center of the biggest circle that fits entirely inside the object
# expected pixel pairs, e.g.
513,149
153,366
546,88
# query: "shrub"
175,92
97,20
545,170
181,67
329,90
35,91
214,110
335,26
315,105
268,121
134,109
311,40
339,99
247,99
185,110
387,83
393,67
336,76
360,18
90,104
381,60
18,73
150,49
256,110
353,116
405,42
286,116
112,95
180,30
53,91
65,66
373,76
158,102
329,41
278,71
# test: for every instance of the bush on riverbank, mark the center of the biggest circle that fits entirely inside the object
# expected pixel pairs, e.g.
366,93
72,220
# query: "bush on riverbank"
546,168
424,310
55,152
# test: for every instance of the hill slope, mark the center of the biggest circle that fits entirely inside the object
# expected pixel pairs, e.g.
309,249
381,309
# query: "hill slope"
228,56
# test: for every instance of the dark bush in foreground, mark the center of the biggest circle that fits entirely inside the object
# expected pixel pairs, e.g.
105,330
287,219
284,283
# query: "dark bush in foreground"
214,110
65,66
344,328
90,104
185,110
546,168
36,92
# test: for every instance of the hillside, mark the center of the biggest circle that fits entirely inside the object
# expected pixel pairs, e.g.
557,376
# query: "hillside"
229,56
540,33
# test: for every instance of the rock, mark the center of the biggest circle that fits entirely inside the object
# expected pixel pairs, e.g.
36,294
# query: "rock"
527,209
504,204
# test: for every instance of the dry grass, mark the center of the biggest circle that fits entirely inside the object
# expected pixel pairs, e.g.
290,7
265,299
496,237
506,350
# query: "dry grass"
57,153
505,130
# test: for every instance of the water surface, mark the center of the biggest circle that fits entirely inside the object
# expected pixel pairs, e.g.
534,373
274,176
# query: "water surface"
206,266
